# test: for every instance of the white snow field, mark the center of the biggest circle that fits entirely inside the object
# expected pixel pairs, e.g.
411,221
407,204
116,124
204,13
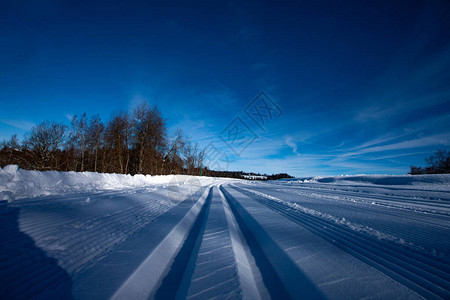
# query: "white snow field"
66,235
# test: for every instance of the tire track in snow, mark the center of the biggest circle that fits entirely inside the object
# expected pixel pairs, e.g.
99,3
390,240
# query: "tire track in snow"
421,274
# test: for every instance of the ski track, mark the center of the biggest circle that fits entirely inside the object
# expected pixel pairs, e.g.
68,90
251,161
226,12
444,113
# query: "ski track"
215,259
239,240
409,227
429,276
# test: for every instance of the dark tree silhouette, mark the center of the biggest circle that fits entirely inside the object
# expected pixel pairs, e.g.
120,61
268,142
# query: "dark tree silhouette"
130,143
44,141
439,163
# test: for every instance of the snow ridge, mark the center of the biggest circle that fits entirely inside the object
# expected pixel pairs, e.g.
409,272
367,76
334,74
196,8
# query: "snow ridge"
341,221
17,183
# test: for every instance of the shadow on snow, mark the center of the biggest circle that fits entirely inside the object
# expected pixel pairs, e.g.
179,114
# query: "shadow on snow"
26,271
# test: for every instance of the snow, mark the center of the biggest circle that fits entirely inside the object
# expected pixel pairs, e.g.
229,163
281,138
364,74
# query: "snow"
90,235
292,248
341,221
16,183
442,180
147,278
249,275
214,267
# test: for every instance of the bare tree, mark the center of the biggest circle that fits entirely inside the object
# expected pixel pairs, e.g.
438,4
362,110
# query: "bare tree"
130,143
193,157
439,163
117,140
172,161
8,147
12,143
79,136
95,137
149,135
44,139
200,159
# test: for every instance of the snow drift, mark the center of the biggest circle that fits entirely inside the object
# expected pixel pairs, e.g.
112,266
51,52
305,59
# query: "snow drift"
17,183
414,180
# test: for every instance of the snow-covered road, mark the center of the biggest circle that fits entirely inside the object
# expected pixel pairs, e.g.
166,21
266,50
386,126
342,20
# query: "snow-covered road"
230,239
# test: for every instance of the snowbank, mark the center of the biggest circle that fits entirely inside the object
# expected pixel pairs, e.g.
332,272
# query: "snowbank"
17,183
415,180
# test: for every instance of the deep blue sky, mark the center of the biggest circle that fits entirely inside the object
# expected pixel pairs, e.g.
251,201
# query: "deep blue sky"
363,86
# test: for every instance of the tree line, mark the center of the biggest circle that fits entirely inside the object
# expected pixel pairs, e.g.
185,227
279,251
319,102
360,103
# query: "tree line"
135,142
240,174
439,163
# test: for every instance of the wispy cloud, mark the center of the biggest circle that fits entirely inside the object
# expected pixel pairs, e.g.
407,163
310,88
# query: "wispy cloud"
289,141
398,155
433,140
19,124
381,140
378,112
357,167
405,86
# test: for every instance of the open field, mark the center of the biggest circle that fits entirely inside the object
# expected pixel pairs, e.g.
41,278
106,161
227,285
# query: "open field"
197,238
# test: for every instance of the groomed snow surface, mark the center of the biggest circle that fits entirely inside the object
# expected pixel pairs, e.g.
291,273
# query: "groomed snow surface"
66,235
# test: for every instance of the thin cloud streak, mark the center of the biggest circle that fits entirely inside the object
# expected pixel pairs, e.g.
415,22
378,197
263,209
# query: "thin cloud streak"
19,124
434,140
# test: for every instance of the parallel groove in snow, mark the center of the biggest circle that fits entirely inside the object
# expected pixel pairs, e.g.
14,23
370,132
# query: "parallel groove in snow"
89,233
383,201
215,273
250,277
278,270
146,279
176,283
426,279
441,201
238,246
418,231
